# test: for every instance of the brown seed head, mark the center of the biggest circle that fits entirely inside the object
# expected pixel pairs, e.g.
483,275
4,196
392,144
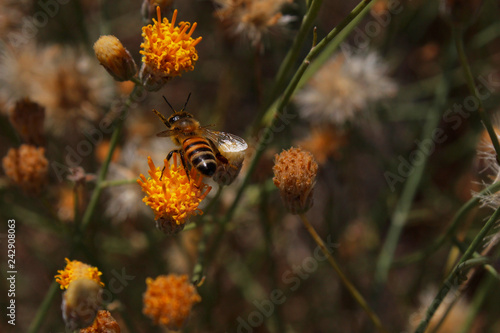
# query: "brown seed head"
115,58
27,167
27,118
294,174
103,323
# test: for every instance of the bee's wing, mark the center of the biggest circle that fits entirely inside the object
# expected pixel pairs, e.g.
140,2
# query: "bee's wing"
226,142
165,133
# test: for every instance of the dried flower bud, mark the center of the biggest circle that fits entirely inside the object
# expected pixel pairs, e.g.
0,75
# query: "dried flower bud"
27,167
460,12
115,58
151,79
81,301
294,174
27,118
168,226
103,323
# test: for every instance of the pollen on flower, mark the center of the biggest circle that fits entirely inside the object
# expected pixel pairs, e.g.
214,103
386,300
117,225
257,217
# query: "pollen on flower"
75,270
175,196
167,50
294,174
168,300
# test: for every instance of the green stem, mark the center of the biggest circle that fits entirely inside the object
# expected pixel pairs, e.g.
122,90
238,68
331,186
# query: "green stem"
459,43
456,222
480,296
347,283
294,52
118,182
94,199
42,311
266,224
202,245
399,217
322,51
452,278
49,297
275,111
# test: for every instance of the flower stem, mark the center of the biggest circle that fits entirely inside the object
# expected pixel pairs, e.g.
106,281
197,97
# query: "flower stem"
42,311
347,283
459,43
87,216
275,110
51,293
400,214
452,278
457,220
263,118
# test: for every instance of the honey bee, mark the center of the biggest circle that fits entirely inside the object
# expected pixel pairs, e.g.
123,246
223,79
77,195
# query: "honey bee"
206,150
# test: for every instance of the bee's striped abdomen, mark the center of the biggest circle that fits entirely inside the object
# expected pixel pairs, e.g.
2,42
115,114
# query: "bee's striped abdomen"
200,154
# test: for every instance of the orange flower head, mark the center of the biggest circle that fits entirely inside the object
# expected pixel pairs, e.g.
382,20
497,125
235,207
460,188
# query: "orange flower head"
167,50
168,300
75,270
175,197
295,175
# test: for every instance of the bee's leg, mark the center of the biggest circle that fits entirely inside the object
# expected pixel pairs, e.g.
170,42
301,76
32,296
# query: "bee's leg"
169,156
184,164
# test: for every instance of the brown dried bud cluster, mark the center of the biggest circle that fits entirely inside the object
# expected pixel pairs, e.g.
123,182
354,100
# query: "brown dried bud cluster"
27,167
27,118
103,323
460,12
294,174
115,58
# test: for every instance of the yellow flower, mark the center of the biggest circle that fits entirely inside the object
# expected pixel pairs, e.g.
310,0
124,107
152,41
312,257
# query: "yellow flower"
75,270
169,299
167,51
176,196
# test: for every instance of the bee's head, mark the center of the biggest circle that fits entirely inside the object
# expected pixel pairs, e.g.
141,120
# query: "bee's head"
178,118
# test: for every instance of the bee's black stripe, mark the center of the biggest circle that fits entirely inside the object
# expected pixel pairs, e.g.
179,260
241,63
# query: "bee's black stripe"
199,152
203,159
205,163
189,143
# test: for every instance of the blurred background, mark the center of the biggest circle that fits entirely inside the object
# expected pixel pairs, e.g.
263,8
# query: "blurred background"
388,118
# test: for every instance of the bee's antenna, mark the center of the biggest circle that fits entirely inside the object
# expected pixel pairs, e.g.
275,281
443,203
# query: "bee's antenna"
173,110
185,104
